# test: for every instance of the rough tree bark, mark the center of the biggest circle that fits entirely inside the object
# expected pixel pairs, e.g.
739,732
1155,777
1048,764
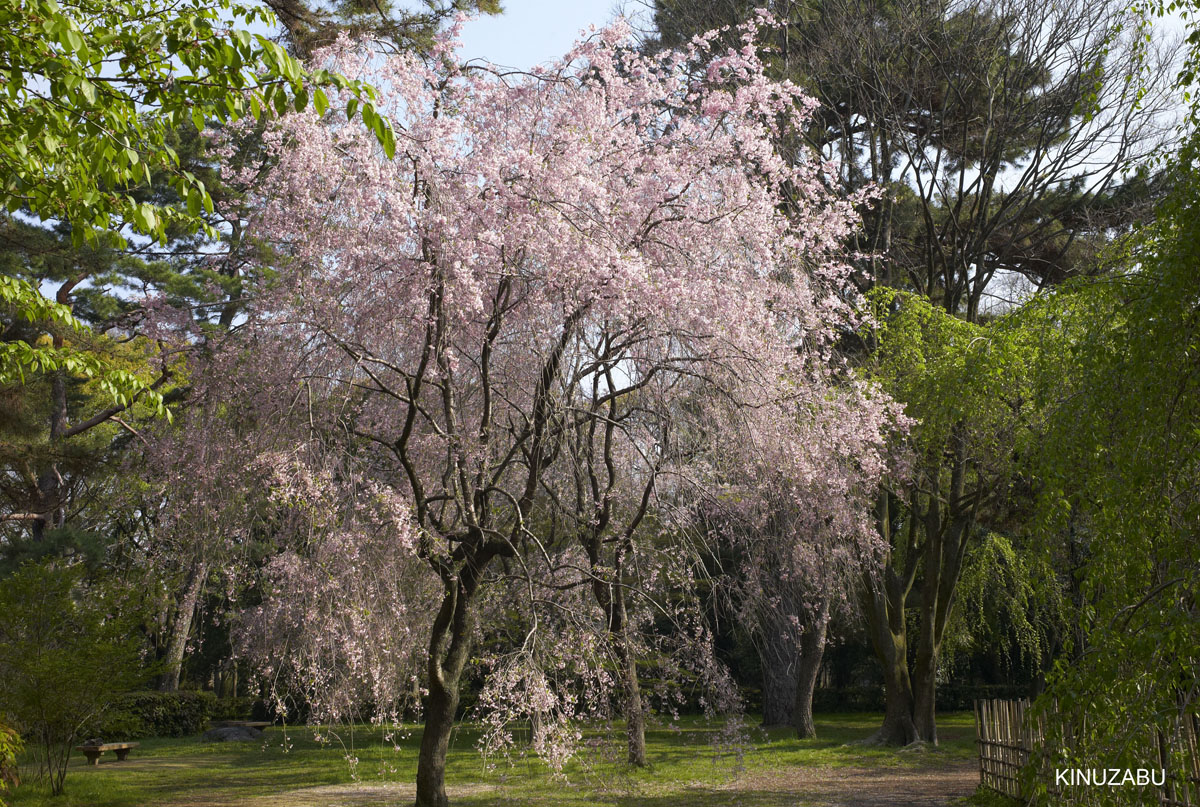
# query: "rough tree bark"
451,635
812,650
449,649
945,547
937,529
611,597
779,688
883,600
181,627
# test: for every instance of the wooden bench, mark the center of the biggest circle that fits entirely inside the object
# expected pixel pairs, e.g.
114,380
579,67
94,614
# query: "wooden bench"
93,752
250,724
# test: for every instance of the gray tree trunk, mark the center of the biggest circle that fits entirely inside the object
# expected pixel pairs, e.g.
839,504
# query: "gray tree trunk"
449,648
181,627
812,650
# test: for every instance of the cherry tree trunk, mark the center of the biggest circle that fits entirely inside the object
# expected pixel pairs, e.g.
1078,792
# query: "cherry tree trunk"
449,647
181,628
611,599
776,648
812,650
635,713
435,743
779,689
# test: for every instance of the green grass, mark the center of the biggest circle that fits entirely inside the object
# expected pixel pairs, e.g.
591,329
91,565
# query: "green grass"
685,767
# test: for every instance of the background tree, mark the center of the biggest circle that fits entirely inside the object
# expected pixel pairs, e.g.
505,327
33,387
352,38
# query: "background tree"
1004,132
800,536
1010,144
967,388
310,26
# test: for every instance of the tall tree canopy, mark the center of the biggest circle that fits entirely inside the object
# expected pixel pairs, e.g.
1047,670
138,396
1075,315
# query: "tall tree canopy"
549,259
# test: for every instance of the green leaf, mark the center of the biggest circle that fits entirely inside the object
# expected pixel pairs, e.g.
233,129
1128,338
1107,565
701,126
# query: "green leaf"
145,219
71,39
389,143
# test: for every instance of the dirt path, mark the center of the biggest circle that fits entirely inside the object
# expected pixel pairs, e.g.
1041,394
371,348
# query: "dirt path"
793,787
374,794
860,787
933,785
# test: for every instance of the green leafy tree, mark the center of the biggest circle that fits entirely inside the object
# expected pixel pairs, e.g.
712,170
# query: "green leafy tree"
134,311
1120,478
26,306
90,95
93,89
104,183
1011,610
65,653
966,386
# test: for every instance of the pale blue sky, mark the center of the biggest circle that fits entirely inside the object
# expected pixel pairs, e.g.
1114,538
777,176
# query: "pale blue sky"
531,32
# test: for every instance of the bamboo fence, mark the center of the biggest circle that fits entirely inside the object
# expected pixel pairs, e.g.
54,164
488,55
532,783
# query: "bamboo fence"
1009,735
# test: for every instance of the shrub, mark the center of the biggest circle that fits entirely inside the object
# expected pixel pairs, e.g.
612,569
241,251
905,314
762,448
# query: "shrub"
65,654
10,746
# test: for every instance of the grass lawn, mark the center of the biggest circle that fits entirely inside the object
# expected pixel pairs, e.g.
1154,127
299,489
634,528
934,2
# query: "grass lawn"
686,768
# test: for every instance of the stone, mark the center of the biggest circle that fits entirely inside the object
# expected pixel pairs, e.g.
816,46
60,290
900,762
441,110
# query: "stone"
231,734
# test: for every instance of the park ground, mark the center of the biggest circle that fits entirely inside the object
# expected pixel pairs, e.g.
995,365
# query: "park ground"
690,766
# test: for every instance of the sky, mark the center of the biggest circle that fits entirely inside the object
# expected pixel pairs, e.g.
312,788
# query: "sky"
531,32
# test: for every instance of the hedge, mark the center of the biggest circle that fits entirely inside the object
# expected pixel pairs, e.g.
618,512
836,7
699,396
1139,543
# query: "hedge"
155,714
